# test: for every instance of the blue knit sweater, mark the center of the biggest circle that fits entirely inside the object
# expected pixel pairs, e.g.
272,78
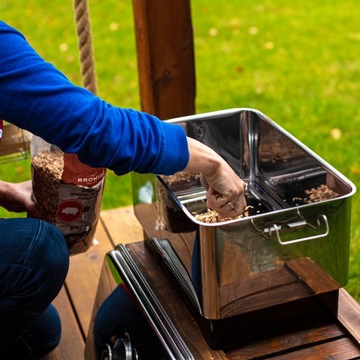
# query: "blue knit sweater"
37,97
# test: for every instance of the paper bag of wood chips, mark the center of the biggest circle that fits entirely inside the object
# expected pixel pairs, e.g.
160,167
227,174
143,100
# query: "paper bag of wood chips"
68,193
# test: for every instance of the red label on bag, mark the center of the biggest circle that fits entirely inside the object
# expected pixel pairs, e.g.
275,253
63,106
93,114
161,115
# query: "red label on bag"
73,167
69,210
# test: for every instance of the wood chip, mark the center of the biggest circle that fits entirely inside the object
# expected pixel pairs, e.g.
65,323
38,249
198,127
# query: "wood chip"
212,216
320,193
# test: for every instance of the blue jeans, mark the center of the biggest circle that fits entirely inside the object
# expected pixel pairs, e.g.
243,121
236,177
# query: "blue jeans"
34,261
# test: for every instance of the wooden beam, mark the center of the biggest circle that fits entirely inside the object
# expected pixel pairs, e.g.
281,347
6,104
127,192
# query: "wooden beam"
165,51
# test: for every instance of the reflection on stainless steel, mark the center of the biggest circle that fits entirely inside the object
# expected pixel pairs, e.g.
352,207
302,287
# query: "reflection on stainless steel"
235,265
120,269
122,349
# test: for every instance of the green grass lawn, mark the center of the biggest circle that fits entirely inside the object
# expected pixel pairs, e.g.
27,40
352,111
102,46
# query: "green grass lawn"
296,61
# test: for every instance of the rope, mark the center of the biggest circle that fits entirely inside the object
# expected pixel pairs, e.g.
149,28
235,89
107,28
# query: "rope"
85,45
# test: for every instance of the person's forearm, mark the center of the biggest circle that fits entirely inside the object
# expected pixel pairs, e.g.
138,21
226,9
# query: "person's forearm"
37,97
202,158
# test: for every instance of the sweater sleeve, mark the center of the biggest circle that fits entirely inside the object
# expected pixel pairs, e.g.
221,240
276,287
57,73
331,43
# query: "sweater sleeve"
35,96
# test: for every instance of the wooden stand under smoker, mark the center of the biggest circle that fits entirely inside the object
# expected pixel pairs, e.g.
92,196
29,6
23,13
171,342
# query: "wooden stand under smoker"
321,335
313,320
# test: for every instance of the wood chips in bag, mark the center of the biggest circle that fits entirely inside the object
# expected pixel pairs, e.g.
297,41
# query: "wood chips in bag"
68,192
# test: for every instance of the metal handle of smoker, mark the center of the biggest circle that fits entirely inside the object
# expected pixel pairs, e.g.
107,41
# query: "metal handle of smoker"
277,229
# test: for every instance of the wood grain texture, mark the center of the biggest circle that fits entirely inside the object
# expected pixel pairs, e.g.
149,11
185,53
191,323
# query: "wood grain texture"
165,52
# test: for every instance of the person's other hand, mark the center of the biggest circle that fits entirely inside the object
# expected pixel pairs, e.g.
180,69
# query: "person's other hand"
16,197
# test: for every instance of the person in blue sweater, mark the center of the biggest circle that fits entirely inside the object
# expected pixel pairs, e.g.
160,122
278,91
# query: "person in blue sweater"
34,257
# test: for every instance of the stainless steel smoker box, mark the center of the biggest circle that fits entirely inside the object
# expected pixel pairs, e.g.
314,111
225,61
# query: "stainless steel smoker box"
278,263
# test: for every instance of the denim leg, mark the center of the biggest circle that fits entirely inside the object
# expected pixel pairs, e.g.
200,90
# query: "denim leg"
34,261
40,339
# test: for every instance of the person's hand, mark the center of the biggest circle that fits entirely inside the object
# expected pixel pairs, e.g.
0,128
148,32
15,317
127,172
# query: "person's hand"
225,190
16,197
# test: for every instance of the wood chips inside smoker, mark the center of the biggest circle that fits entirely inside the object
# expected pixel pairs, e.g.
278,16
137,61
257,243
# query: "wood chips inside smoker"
320,193
211,216
314,195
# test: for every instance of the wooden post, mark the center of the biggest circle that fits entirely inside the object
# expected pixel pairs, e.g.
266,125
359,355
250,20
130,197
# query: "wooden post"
165,51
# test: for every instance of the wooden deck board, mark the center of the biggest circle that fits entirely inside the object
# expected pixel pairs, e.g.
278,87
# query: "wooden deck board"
75,301
83,276
72,342
122,225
